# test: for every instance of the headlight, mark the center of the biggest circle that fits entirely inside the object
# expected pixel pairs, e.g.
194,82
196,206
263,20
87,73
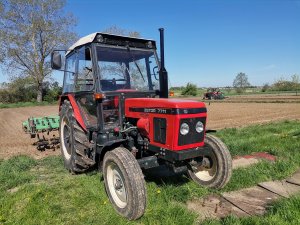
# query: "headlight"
199,127
149,44
100,38
184,128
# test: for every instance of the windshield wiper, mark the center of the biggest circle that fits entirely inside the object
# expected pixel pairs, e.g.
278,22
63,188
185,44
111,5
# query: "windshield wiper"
137,66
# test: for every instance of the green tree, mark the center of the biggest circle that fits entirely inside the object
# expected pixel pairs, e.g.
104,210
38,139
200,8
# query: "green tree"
19,90
287,85
241,82
29,31
190,89
265,87
24,90
52,91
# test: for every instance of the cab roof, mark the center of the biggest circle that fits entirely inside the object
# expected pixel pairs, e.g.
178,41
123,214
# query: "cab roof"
92,38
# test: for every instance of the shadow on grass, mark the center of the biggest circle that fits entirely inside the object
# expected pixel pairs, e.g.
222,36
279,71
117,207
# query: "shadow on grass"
163,176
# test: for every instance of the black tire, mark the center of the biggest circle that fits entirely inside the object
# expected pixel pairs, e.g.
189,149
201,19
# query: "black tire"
74,144
219,173
124,183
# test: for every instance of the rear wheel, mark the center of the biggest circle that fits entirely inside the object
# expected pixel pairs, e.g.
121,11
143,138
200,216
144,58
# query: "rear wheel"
124,183
74,144
214,169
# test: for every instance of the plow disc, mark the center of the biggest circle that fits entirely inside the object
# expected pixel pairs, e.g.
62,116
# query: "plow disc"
44,130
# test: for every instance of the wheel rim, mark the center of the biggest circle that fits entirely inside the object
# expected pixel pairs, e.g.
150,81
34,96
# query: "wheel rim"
65,138
208,173
116,185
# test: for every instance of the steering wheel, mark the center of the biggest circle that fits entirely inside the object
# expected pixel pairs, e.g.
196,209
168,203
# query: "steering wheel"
154,73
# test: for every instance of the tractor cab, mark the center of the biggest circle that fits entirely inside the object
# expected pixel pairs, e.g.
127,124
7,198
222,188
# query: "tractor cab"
108,67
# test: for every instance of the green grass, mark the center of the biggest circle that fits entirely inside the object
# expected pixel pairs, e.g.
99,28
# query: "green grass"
43,192
25,104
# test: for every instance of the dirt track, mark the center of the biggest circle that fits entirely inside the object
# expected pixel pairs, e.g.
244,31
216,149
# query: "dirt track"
13,141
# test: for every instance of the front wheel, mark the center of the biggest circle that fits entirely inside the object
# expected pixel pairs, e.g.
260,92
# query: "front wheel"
214,169
124,183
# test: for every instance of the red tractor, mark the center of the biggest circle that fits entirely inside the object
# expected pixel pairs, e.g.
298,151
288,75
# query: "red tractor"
213,93
115,115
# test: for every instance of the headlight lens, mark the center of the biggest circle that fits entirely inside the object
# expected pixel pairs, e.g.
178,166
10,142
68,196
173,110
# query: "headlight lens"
184,128
100,38
199,127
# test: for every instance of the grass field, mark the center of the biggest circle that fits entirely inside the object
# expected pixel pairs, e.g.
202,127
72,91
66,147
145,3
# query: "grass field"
43,192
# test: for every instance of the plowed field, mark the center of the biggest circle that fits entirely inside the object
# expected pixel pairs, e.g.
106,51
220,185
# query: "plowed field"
13,141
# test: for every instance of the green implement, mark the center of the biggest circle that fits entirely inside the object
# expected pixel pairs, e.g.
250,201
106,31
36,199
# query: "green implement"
36,127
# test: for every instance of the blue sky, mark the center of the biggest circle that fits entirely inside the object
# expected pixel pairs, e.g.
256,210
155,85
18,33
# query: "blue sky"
207,42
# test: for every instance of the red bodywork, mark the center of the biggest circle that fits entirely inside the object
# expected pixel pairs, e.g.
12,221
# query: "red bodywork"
75,107
146,119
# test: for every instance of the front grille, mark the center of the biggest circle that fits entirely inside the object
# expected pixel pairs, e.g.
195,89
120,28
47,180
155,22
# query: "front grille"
160,132
193,136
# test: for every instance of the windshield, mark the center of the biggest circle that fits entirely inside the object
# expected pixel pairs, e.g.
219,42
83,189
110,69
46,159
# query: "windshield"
127,69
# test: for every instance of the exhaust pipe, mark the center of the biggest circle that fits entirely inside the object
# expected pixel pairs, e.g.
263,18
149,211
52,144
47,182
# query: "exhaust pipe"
163,74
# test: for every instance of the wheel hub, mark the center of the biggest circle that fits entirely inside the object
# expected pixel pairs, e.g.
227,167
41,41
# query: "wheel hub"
206,169
116,185
206,163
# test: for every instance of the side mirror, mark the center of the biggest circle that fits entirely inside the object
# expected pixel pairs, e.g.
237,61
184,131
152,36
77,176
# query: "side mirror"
56,62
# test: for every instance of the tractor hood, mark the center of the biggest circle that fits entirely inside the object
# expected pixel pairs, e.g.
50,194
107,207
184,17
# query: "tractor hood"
160,119
163,106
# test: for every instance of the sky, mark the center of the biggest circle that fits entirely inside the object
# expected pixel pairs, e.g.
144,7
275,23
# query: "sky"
206,42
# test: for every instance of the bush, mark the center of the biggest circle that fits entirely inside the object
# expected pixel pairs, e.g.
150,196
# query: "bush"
24,90
190,89
265,88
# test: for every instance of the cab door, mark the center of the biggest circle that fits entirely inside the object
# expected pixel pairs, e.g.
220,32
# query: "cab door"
84,86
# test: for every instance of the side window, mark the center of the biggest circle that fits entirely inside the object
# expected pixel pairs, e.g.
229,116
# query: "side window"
153,70
85,78
69,74
139,79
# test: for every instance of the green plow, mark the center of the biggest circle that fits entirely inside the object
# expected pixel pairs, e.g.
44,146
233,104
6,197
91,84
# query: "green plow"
38,127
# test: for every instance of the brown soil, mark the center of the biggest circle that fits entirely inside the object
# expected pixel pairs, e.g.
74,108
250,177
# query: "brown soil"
13,141
225,115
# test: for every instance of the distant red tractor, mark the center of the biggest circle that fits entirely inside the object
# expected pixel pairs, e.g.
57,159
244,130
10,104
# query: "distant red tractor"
115,114
213,93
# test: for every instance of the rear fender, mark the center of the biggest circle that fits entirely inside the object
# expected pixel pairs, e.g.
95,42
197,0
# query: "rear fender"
77,113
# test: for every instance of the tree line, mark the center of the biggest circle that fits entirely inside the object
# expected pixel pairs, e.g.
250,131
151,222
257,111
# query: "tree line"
241,84
24,90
